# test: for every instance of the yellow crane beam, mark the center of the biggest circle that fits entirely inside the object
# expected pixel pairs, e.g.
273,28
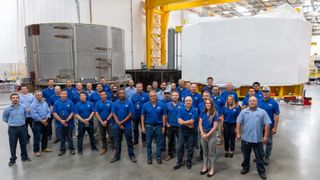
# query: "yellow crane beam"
157,16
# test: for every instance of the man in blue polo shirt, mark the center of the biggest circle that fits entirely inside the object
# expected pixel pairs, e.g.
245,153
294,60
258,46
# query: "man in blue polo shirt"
245,101
122,115
103,112
130,90
160,93
187,118
153,124
105,86
217,99
47,93
95,96
208,87
256,86
173,108
272,108
63,111
51,102
70,90
76,95
84,112
229,91
138,99
26,99
40,113
181,89
15,117
196,97
251,123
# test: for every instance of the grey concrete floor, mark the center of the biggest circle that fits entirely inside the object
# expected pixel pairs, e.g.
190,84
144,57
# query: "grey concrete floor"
295,155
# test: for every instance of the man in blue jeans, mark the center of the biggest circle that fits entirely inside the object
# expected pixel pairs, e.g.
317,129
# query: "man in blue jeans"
153,124
251,123
187,118
40,113
63,111
122,114
15,117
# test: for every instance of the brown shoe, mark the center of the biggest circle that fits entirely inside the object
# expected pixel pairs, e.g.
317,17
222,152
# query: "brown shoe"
104,151
37,154
168,158
46,150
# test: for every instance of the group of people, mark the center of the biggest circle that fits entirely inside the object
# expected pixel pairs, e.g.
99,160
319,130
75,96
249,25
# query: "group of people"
174,115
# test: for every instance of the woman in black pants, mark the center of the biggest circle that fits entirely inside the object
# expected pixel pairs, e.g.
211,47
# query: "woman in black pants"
229,116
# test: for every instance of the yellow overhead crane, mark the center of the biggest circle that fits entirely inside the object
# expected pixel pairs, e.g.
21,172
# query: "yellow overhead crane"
157,16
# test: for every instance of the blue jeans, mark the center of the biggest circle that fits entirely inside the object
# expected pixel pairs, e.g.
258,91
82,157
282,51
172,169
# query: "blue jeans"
186,136
118,133
40,133
66,135
153,132
82,129
246,148
268,146
15,134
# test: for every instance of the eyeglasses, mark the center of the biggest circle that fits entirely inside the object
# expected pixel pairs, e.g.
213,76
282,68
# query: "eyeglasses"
265,91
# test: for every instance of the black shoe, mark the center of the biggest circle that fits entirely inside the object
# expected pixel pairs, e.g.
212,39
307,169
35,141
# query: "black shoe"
26,160
203,172
231,155
61,153
11,163
177,166
226,155
196,146
149,161
189,164
133,159
263,175
114,159
266,161
80,152
254,160
159,161
210,175
135,142
56,141
72,152
244,171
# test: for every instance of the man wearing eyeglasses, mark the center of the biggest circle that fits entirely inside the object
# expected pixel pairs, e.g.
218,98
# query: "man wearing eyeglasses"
272,108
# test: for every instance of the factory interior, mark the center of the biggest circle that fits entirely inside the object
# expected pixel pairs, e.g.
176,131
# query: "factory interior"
159,89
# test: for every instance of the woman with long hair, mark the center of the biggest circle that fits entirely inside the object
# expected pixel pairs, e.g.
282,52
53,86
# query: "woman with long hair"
229,116
208,125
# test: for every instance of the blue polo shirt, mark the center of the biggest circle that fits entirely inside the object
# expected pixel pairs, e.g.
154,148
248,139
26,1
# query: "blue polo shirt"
181,92
219,103
104,109
165,101
230,115
207,123
70,92
26,100
271,107
122,109
253,122
47,93
63,110
160,95
53,99
15,115
138,100
153,114
196,98
106,88
76,96
39,110
207,88
172,113
258,95
94,98
225,95
84,109
130,91
187,115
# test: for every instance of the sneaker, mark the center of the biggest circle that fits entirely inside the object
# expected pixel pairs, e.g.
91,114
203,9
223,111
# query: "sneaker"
149,161
72,152
114,159
80,152
244,171
263,175
189,164
11,163
159,161
26,160
177,166
61,153
133,159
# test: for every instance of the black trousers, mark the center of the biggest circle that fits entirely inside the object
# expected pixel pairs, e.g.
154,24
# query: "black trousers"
29,122
246,148
40,134
136,124
173,134
50,126
15,134
229,136
82,129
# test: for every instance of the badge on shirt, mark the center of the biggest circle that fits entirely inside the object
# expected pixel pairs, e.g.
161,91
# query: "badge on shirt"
88,105
108,104
270,105
127,105
234,110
